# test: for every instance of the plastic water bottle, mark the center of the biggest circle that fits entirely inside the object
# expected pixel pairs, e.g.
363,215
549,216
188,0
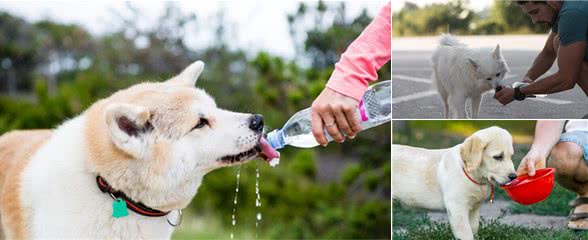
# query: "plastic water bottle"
374,109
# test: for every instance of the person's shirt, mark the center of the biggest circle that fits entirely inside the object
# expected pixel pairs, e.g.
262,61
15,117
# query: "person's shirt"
571,24
364,56
576,125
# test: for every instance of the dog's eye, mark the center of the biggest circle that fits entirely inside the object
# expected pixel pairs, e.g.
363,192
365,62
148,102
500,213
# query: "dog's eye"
499,157
203,122
498,75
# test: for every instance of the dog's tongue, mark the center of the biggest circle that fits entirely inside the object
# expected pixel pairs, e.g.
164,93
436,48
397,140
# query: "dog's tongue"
268,152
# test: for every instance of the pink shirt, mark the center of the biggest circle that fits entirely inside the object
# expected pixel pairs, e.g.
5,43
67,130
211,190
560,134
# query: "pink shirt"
364,56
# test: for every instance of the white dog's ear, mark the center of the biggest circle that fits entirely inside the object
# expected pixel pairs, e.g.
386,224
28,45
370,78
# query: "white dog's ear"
496,53
471,152
474,64
189,76
127,125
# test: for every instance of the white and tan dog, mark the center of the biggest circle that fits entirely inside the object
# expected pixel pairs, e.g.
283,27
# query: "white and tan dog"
461,73
436,179
152,142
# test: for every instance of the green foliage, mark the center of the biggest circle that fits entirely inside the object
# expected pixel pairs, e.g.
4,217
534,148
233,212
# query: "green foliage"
503,17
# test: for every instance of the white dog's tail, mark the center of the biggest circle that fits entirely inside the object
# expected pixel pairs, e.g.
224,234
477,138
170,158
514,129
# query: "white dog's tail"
449,40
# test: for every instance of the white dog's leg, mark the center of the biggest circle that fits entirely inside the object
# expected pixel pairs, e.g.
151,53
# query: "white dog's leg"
457,106
445,104
476,106
475,218
459,220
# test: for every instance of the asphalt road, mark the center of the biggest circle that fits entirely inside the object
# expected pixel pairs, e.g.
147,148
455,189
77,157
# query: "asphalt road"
414,96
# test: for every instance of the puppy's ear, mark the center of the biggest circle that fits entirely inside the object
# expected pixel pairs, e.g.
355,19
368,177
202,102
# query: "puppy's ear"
471,152
189,76
474,64
496,54
127,125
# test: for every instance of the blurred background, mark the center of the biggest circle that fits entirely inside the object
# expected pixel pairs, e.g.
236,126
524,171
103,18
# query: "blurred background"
273,58
417,25
503,219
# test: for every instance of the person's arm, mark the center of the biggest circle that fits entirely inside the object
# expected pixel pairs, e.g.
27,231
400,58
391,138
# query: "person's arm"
569,63
544,60
336,107
365,55
547,133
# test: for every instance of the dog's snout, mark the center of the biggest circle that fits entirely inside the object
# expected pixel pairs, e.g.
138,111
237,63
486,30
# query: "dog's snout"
256,123
512,176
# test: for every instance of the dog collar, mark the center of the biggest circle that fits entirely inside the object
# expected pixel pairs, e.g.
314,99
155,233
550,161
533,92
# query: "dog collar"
476,182
136,207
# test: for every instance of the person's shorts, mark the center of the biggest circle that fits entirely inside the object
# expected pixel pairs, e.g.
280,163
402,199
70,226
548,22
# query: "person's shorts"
578,137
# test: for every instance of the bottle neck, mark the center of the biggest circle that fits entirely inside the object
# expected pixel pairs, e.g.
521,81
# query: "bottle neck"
276,139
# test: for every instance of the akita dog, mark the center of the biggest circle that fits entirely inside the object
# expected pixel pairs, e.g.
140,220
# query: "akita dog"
146,147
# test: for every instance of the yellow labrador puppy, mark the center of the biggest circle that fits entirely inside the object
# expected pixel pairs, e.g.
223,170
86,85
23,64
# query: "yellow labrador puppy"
457,179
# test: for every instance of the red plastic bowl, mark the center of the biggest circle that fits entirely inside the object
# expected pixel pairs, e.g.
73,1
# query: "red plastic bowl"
529,190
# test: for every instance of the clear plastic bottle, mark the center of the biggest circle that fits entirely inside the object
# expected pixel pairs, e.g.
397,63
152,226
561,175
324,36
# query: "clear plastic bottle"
374,109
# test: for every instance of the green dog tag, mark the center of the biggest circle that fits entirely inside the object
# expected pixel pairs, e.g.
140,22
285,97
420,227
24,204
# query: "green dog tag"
119,208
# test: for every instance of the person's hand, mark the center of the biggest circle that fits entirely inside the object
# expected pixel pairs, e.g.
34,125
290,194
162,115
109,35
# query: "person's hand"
505,95
337,113
534,160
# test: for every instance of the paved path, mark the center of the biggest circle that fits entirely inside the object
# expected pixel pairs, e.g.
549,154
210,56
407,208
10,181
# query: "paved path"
495,210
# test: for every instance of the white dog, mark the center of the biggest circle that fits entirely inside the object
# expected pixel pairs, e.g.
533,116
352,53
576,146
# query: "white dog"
147,146
462,73
457,179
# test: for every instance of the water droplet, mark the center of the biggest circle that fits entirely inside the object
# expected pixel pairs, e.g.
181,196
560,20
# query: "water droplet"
258,216
234,218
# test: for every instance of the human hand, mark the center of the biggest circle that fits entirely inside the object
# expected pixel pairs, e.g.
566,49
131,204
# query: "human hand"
505,95
337,113
534,160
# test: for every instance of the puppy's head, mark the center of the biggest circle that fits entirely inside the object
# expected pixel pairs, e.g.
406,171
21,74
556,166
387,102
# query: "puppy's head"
489,66
488,152
155,141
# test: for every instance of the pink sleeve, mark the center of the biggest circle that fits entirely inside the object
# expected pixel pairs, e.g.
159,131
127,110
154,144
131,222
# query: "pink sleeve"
364,56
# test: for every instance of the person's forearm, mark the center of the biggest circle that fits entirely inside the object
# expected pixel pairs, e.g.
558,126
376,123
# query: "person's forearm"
364,56
547,133
541,65
550,84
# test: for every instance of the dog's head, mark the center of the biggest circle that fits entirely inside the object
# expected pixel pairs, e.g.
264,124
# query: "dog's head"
155,141
488,153
489,66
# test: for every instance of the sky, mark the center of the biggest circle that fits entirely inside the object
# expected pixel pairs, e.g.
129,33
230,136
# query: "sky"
259,24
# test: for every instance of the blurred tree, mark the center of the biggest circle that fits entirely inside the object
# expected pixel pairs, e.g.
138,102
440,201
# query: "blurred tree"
433,19
18,46
456,17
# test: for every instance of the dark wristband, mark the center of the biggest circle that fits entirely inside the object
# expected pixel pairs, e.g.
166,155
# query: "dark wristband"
518,95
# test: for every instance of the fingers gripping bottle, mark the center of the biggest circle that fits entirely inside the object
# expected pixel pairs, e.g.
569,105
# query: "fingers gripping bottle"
374,109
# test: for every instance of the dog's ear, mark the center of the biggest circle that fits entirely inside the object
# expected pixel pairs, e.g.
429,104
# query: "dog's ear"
189,76
474,64
471,152
496,53
127,125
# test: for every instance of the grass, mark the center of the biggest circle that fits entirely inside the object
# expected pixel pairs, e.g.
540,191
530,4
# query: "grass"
414,225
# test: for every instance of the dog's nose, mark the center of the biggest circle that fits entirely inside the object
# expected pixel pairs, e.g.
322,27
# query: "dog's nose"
256,123
512,176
